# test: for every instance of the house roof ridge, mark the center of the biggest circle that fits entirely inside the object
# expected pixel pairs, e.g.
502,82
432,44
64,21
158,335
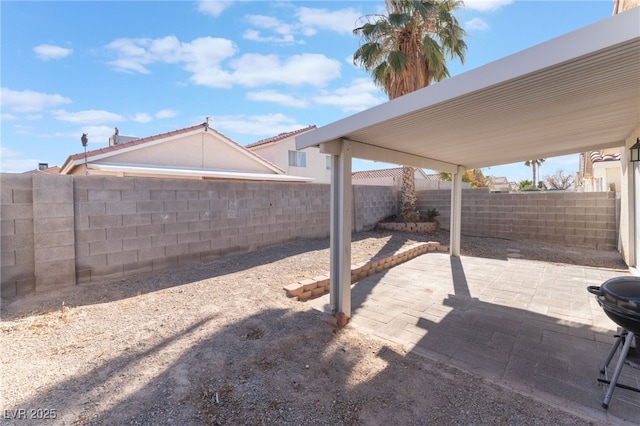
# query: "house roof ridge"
135,142
142,141
280,137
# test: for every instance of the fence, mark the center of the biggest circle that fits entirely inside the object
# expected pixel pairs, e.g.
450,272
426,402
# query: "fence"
59,230
587,219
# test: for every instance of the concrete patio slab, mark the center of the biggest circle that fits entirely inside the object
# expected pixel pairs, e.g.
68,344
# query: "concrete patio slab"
527,325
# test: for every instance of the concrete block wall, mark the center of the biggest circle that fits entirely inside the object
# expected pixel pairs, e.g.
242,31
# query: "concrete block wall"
137,225
53,231
372,204
579,219
17,273
59,231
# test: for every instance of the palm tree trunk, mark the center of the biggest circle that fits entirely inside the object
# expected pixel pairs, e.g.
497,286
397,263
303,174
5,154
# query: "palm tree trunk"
408,199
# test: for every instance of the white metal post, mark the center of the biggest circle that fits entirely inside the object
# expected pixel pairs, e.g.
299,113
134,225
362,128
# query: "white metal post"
340,222
456,212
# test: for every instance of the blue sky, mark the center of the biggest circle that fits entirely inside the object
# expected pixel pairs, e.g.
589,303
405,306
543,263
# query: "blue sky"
258,68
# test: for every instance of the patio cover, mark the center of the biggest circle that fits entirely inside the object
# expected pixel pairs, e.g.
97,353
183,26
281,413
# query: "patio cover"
575,93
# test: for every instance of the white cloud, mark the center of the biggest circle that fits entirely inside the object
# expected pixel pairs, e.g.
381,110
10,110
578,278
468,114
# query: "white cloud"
18,165
213,7
486,5
88,117
255,35
11,163
49,51
166,113
278,98
285,31
97,134
135,53
28,100
203,58
308,68
360,95
7,152
21,129
478,24
141,117
257,125
8,117
342,21
306,21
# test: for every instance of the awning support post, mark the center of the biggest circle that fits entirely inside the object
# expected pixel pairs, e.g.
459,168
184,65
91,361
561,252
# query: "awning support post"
340,232
456,212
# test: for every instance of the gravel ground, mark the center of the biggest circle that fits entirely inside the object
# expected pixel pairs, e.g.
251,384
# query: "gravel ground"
219,344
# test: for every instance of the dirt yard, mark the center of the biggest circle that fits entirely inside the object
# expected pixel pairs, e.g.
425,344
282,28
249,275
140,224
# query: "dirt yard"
221,344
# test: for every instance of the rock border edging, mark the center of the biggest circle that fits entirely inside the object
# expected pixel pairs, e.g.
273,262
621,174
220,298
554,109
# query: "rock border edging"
319,285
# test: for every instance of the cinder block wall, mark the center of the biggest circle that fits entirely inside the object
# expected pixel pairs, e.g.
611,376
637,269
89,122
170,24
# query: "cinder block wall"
371,204
16,237
136,225
58,231
579,219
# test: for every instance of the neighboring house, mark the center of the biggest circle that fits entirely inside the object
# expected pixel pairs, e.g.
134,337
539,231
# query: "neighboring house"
197,152
501,184
281,151
622,5
600,171
393,177
44,168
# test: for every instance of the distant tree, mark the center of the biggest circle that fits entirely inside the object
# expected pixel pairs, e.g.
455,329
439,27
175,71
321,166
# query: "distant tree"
534,164
559,180
445,176
474,177
524,184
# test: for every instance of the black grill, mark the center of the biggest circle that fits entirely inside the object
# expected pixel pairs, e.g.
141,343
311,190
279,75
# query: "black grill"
620,299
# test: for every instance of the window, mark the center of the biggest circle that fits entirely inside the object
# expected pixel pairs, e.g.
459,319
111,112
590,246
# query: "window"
297,159
328,162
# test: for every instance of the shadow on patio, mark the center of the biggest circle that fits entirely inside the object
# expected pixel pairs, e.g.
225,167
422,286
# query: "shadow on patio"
526,325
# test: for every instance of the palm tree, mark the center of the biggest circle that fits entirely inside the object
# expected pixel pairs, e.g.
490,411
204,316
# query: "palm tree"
405,51
534,164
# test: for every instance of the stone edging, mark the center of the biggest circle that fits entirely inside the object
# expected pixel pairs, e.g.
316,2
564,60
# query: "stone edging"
417,227
319,285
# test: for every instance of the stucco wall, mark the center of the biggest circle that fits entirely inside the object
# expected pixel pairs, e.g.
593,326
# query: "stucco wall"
278,154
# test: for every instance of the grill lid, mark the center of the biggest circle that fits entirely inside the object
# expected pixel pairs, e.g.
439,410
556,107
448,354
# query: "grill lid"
623,292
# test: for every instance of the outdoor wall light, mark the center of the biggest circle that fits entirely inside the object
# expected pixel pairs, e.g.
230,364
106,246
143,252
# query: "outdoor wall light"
635,151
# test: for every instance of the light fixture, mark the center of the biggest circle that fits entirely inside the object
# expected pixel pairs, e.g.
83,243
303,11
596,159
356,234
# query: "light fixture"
635,151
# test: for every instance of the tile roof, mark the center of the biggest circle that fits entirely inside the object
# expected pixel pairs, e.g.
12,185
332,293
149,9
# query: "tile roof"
53,170
499,180
280,137
393,172
142,141
597,156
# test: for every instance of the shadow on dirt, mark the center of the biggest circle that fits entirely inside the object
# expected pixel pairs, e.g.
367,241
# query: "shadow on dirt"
108,291
283,367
